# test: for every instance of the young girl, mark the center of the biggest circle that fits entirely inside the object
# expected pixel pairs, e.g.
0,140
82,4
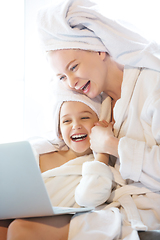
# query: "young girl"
74,179
72,176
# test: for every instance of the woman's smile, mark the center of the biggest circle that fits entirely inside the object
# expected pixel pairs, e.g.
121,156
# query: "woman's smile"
86,87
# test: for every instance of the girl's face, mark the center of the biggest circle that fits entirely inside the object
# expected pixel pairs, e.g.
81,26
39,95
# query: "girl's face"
82,71
76,121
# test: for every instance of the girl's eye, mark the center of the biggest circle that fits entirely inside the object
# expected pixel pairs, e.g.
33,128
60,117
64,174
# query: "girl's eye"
74,67
85,118
66,121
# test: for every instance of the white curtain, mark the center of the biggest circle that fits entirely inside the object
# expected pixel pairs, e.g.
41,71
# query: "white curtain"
24,72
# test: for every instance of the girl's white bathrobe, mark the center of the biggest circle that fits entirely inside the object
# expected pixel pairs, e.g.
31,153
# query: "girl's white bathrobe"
79,182
134,203
82,181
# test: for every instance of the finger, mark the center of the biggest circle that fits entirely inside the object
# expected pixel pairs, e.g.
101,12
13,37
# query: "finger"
97,124
102,123
110,126
105,123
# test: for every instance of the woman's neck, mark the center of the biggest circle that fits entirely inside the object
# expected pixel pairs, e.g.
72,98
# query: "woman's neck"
114,79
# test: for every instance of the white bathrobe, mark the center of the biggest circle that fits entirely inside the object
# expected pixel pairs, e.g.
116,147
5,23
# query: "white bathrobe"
82,181
134,203
137,117
137,192
79,182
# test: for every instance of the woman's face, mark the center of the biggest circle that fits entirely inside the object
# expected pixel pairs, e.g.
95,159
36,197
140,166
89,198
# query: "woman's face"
76,121
82,71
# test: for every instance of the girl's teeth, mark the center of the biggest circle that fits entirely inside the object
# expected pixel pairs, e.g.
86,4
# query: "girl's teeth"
79,137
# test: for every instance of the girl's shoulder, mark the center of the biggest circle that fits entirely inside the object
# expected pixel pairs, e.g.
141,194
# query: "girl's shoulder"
53,160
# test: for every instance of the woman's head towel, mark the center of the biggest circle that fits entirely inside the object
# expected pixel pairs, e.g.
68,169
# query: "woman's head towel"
76,24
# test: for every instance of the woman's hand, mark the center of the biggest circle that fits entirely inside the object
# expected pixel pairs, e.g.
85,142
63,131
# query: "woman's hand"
102,138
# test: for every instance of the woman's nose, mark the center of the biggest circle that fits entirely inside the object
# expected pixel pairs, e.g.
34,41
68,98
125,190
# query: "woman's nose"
72,81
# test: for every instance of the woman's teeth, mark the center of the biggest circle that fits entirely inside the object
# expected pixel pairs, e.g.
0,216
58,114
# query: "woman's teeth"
85,86
79,137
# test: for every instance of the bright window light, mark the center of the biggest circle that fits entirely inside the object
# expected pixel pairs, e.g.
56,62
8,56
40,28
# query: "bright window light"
25,73
12,70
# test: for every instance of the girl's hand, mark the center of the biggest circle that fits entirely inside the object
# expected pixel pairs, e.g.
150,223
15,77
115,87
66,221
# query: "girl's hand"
102,139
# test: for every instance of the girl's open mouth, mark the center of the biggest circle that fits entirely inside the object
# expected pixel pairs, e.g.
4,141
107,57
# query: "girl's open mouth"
78,137
85,88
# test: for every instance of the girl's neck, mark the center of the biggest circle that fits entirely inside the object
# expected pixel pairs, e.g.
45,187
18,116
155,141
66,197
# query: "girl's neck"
73,154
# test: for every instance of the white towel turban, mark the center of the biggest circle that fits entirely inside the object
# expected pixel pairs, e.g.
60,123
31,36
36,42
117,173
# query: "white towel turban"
75,24
61,94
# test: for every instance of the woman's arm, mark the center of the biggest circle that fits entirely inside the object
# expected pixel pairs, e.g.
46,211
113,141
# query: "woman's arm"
103,141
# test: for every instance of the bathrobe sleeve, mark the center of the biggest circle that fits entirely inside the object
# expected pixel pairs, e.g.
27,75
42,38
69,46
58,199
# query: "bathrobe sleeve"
95,185
140,157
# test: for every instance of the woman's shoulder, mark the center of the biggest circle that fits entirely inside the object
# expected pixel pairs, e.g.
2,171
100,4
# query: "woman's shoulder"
141,69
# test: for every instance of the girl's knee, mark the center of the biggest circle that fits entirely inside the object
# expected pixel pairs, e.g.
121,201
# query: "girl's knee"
50,228
16,230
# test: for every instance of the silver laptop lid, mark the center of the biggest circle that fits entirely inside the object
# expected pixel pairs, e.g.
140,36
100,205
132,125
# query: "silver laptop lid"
22,190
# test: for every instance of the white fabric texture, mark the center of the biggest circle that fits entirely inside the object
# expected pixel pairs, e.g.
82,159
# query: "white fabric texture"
137,125
106,225
77,24
62,182
77,183
95,186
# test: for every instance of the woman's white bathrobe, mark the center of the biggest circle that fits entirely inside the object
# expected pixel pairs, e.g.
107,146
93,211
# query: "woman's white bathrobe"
137,193
137,117
134,203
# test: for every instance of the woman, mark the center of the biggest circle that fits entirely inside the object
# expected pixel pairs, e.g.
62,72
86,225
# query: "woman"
135,94
91,54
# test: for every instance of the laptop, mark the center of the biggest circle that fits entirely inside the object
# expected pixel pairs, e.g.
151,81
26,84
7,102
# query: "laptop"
22,189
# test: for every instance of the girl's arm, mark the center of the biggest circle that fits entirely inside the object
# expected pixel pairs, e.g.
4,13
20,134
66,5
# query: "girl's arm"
95,186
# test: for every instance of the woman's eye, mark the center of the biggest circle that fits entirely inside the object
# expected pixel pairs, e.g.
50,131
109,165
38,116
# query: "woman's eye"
62,78
74,67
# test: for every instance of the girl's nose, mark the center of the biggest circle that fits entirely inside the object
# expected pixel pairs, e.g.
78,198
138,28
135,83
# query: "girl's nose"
76,125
